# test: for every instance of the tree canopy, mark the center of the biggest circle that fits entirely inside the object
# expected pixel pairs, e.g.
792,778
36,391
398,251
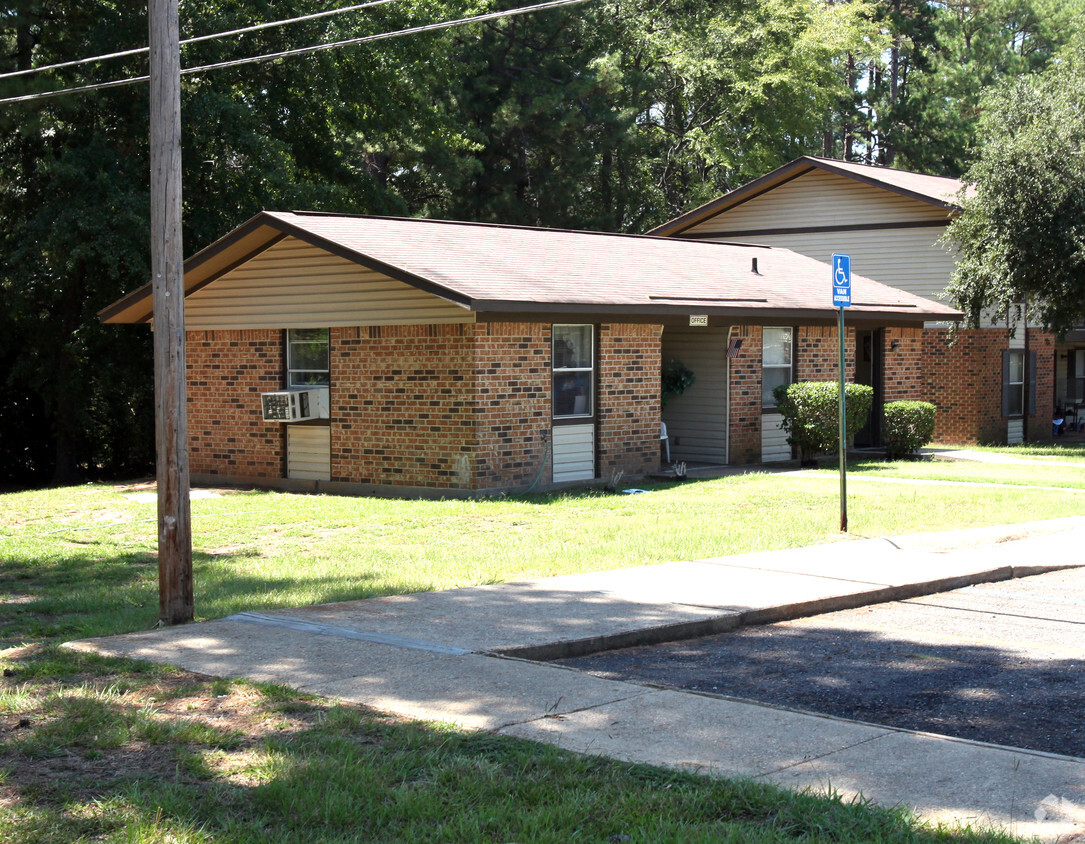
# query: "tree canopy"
1021,233
614,114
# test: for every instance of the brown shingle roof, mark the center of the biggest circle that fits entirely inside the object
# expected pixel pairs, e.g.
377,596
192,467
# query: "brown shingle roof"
935,190
512,269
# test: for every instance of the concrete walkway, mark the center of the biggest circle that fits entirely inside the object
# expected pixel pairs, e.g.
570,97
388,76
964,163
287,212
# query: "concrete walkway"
461,656
971,455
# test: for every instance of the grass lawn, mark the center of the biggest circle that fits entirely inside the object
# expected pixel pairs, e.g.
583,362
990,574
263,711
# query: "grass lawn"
1061,451
1047,474
110,750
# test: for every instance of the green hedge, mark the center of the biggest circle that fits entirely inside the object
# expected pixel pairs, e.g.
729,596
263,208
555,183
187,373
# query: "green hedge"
811,411
908,426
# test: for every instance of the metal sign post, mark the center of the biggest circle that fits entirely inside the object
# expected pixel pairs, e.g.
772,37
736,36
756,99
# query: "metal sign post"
842,299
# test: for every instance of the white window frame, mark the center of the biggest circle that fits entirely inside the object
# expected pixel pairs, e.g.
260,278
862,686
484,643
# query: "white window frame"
574,371
291,370
767,401
1015,401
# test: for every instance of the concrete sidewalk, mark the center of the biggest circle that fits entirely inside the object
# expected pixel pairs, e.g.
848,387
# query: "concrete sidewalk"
459,656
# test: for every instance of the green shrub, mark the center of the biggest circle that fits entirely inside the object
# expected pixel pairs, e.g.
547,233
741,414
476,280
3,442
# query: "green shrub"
811,411
908,426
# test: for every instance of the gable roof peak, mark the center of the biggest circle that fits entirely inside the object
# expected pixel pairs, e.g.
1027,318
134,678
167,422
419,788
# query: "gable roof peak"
940,191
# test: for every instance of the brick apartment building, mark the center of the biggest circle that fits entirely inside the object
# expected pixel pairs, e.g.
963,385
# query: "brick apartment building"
465,358
891,223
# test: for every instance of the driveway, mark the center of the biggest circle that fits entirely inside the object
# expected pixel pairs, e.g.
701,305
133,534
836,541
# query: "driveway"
999,662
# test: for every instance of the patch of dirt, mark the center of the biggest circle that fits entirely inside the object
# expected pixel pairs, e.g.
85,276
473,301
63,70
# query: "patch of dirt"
227,550
84,773
21,651
152,486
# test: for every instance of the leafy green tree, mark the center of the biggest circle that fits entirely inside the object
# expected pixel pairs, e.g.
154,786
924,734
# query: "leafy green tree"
977,45
915,87
626,112
740,88
333,131
1021,233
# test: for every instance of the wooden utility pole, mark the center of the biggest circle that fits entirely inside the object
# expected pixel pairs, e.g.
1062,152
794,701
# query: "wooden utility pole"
175,601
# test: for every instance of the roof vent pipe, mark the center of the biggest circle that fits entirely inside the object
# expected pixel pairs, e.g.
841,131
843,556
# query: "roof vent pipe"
753,269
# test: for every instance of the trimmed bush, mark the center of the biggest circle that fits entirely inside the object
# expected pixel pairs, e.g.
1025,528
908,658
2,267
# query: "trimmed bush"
811,411
908,426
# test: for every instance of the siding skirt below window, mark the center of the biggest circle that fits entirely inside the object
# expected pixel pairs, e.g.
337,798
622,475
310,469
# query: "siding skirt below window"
309,452
574,453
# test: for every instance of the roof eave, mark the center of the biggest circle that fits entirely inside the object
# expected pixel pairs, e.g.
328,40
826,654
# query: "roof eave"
889,315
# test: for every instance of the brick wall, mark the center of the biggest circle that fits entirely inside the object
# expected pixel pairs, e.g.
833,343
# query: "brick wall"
402,405
227,371
511,371
745,409
628,407
465,407
1040,422
964,381
904,364
441,407
817,352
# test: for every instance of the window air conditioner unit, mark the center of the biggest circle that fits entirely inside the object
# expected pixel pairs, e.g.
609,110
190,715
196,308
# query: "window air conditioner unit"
295,405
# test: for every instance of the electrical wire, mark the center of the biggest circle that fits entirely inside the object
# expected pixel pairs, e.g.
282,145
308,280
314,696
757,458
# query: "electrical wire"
199,38
302,51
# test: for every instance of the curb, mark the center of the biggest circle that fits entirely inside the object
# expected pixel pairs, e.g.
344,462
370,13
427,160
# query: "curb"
569,648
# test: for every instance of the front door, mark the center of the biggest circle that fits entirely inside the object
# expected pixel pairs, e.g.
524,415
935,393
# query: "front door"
870,370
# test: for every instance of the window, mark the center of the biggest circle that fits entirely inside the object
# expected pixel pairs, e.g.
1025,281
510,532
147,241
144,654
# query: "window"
776,358
1075,376
573,365
308,359
1015,384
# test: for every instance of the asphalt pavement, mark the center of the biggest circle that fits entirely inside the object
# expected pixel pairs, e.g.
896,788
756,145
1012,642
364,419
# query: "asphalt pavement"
462,657
995,662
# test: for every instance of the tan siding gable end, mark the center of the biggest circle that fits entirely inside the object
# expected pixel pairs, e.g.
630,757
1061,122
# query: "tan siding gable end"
295,285
819,199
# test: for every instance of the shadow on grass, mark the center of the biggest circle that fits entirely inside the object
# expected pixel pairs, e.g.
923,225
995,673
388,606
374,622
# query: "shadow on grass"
79,596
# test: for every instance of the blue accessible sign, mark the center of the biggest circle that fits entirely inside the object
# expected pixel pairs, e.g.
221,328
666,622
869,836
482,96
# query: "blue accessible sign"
841,280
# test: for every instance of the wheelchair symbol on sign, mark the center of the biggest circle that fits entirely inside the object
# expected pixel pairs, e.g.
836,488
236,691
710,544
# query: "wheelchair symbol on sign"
841,280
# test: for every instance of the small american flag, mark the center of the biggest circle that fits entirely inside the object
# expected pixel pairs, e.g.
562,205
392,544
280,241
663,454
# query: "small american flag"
733,346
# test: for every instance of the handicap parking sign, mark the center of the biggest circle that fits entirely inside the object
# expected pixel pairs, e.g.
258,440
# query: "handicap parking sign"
841,280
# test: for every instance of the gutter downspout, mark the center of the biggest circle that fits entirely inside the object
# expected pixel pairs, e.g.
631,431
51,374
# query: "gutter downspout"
1028,374
727,396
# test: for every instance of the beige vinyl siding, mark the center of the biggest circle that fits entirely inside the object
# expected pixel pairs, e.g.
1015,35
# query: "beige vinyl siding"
1015,431
295,285
821,199
774,445
908,259
574,453
697,419
309,452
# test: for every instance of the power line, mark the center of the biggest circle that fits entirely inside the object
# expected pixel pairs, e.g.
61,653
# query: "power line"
302,51
199,38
